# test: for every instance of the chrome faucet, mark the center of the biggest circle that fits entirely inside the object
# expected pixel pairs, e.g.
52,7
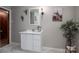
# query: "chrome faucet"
39,28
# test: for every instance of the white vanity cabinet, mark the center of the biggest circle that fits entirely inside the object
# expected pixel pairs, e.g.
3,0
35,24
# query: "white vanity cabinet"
31,41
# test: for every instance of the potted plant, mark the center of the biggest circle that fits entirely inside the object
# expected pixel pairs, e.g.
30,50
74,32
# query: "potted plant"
70,29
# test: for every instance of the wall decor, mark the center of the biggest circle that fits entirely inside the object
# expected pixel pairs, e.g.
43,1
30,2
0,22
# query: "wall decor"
22,18
25,11
57,15
42,12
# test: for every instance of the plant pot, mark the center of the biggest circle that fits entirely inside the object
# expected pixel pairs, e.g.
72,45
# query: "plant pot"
71,49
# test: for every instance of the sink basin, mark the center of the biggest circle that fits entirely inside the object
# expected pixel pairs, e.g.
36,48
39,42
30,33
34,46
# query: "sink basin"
36,30
32,31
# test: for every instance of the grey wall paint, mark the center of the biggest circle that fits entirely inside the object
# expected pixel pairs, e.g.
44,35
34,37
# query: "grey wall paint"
77,13
17,24
52,35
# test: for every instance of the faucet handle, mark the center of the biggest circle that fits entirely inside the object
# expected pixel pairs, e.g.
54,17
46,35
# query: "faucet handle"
39,28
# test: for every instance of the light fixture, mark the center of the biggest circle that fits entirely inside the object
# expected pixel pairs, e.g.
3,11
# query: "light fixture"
42,12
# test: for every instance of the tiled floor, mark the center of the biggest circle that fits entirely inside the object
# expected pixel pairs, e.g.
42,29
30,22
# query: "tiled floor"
15,48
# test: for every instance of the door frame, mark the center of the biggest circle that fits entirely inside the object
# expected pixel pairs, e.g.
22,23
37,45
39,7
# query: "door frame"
9,10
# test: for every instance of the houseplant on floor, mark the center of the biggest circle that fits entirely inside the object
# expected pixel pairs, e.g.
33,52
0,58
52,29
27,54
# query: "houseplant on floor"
70,29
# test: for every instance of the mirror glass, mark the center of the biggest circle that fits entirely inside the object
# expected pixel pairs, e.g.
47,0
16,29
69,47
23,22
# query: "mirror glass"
34,17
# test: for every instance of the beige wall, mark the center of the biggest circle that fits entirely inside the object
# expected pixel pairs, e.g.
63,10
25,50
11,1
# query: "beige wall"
52,35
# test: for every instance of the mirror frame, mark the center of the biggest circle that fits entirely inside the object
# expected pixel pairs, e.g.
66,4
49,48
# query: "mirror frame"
39,16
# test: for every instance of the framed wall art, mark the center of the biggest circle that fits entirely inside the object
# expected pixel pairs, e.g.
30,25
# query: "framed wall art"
57,15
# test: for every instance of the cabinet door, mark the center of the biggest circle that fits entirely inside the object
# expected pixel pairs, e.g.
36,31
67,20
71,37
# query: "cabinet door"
36,42
26,41
29,42
23,41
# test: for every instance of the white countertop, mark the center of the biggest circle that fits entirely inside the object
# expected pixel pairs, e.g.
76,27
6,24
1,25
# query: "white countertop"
31,32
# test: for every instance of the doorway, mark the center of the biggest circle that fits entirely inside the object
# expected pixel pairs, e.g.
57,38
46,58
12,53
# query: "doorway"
4,27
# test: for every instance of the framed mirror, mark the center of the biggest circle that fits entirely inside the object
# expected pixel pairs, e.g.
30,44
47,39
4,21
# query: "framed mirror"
34,16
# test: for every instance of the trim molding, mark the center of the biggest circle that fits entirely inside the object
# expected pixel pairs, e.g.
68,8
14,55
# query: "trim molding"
9,22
